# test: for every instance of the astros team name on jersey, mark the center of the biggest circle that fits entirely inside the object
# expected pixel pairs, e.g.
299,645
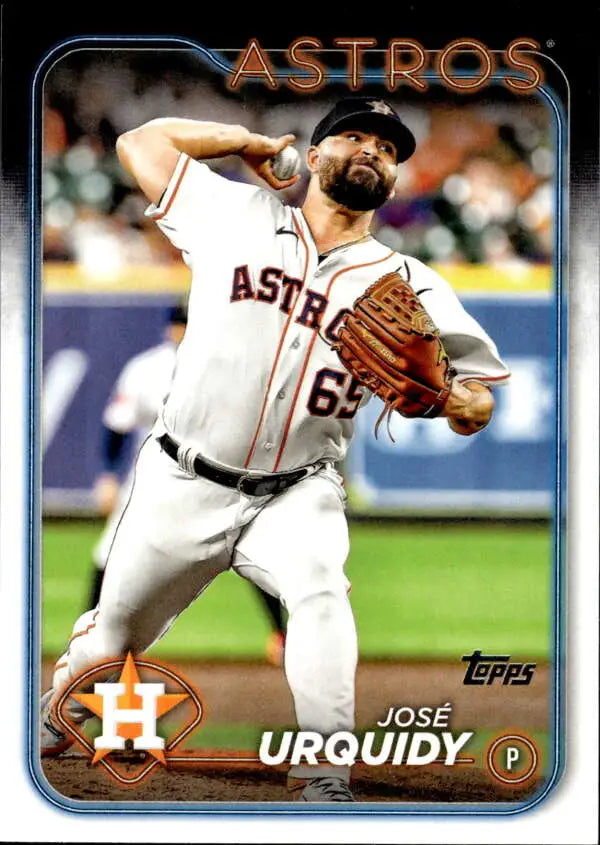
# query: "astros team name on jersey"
275,286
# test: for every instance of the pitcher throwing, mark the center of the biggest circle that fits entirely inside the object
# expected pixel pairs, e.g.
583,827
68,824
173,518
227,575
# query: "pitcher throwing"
239,469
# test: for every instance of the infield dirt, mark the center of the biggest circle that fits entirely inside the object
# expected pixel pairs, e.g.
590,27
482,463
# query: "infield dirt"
257,694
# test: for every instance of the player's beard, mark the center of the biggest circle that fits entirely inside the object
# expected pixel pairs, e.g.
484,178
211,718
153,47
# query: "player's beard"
363,190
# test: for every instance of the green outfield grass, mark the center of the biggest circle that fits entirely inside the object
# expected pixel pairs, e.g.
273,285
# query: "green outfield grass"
417,592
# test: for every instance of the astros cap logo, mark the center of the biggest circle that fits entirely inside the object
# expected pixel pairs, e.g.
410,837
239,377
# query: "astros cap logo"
380,107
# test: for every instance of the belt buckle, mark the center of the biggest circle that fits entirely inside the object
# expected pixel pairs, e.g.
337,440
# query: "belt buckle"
250,476
259,480
275,483
240,482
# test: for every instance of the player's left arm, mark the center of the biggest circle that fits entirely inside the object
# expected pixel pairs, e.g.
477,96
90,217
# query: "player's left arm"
472,353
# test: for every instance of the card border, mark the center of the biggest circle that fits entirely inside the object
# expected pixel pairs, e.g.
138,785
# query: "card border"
33,509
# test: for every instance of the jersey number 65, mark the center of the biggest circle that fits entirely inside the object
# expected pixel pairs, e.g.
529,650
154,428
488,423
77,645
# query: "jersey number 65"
325,395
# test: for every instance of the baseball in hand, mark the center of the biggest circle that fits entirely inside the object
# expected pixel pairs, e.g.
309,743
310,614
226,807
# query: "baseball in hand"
286,163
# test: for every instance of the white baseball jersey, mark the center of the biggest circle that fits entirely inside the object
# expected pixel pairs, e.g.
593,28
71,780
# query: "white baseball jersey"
256,384
140,390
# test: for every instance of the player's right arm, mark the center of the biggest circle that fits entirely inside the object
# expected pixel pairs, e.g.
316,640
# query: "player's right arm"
150,152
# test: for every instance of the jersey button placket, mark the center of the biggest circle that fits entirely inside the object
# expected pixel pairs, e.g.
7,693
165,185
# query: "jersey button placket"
290,366
277,413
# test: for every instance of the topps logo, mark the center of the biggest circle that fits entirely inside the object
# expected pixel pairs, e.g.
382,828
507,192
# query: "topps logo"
485,668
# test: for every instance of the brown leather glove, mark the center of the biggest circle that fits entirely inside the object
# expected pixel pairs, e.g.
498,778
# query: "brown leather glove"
390,344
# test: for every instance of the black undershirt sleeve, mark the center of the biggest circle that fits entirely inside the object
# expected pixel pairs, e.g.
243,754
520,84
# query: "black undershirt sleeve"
113,448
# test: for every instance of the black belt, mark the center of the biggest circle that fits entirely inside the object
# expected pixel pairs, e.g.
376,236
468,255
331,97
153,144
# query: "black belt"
245,482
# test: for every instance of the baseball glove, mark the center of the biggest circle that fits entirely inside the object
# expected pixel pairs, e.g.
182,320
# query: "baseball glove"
390,344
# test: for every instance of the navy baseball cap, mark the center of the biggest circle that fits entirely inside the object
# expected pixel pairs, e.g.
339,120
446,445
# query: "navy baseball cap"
367,113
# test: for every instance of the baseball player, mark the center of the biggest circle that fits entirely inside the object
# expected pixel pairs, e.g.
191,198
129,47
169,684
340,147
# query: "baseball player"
134,404
239,469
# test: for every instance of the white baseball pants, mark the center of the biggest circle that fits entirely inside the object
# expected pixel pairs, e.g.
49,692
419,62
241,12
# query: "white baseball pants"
178,532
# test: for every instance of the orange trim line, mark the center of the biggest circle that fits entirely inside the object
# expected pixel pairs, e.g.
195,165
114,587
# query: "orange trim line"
279,348
484,378
87,630
174,192
309,353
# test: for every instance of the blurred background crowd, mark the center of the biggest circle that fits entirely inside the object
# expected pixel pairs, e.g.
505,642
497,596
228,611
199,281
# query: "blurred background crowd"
478,189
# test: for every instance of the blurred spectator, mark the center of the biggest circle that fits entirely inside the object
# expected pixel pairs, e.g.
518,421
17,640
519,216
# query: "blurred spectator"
478,188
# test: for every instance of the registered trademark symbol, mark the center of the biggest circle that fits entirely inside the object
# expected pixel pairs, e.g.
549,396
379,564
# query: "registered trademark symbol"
550,42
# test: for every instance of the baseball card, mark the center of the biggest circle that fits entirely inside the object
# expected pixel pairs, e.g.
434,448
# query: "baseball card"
299,428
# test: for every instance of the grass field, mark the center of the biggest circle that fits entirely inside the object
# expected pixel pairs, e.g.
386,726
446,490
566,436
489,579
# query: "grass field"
423,592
